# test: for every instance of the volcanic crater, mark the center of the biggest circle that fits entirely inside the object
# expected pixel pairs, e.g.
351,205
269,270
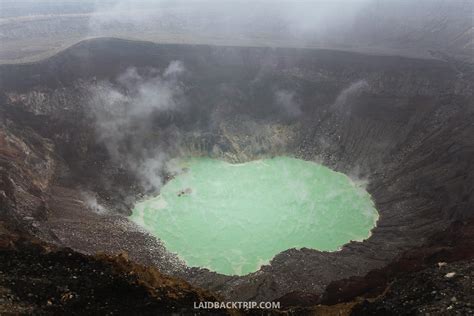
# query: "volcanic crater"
71,171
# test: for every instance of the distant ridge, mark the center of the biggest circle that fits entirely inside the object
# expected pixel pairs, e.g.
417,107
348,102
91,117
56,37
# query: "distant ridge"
106,57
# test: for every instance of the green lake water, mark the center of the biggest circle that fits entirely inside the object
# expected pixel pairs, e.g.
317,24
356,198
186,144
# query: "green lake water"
232,218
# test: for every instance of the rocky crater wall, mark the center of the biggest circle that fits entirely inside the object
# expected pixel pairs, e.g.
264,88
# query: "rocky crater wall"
402,126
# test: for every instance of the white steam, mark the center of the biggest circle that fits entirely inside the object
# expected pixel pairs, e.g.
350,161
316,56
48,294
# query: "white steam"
286,101
125,117
353,90
90,200
174,69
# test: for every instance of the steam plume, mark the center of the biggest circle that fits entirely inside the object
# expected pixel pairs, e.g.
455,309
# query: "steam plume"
126,114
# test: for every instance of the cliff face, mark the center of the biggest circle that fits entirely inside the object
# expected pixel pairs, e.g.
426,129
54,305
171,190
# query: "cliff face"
402,125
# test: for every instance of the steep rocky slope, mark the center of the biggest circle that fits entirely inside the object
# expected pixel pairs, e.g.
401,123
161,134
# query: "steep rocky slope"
442,290
40,279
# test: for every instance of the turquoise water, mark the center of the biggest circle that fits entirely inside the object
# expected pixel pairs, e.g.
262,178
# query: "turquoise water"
232,218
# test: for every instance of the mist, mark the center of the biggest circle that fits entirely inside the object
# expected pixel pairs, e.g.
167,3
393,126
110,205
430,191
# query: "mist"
390,26
425,28
344,98
287,103
90,200
125,112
